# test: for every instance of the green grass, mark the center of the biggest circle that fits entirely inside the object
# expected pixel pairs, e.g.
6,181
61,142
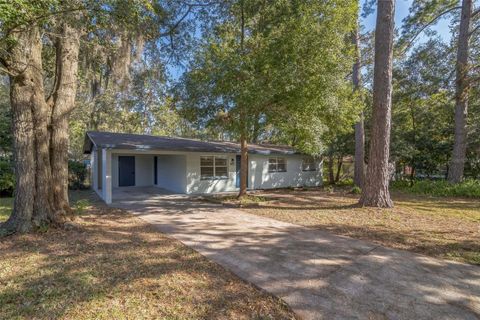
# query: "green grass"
79,200
466,189
6,205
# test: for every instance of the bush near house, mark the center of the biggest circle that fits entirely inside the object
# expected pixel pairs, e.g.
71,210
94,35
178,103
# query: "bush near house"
6,206
77,175
442,188
7,178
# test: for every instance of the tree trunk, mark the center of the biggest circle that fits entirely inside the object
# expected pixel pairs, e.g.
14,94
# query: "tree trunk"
256,129
23,94
42,207
243,115
40,128
64,101
414,142
331,177
412,174
455,174
339,168
375,192
359,164
243,166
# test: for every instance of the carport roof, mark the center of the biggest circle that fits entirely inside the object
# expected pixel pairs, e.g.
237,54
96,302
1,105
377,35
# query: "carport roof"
161,143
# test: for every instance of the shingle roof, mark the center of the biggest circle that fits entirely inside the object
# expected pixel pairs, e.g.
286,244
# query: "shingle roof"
146,142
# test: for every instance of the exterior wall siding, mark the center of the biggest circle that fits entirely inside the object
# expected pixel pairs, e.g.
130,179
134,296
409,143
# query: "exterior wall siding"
260,178
98,162
180,172
196,185
143,169
171,172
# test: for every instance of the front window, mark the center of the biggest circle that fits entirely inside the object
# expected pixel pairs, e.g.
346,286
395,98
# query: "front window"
213,167
277,165
308,164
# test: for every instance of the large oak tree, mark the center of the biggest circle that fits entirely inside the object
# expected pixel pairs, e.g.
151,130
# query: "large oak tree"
40,44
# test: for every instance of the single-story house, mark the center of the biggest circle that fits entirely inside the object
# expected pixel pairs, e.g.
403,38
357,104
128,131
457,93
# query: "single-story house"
192,166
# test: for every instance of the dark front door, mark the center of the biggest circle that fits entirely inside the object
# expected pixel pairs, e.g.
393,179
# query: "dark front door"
126,171
238,166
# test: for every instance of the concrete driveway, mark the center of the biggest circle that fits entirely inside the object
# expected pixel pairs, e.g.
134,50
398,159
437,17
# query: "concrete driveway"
318,274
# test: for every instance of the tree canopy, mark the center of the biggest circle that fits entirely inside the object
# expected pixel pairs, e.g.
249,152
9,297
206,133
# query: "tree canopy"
269,61
282,71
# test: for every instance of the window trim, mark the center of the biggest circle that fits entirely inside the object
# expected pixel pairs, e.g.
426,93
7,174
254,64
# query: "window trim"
276,164
214,167
314,163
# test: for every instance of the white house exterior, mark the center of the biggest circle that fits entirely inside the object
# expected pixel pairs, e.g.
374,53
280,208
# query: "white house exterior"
191,166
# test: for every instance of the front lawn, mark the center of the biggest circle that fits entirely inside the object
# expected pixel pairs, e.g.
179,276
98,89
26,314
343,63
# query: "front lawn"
112,265
441,227
6,205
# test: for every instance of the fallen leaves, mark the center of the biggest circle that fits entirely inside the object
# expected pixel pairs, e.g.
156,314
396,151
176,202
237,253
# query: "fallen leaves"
113,265
440,227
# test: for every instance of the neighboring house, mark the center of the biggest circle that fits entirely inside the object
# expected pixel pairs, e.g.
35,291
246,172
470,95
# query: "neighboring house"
192,166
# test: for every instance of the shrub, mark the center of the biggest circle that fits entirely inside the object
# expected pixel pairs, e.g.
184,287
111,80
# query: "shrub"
7,178
356,190
344,183
329,189
467,188
80,206
77,175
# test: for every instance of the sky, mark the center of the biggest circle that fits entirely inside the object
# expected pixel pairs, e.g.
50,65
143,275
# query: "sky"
401,11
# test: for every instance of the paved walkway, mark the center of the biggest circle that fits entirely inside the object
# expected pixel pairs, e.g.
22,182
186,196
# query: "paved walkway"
320,275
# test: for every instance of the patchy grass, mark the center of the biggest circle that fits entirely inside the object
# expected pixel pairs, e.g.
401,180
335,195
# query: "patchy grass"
6,205
112,265
440,227
234,201
442,188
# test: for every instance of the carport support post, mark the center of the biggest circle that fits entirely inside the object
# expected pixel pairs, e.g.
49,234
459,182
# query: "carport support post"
107,175
94,169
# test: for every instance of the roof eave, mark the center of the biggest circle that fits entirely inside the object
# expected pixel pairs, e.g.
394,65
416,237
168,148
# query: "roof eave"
88,141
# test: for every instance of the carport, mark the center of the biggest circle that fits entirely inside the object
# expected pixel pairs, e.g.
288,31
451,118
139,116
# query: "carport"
133,173
142,194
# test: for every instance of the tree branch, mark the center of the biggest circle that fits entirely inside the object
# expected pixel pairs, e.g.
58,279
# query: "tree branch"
3,62
2,69
473,31
32,21
190,6
177,24
202,4
428,24
474,13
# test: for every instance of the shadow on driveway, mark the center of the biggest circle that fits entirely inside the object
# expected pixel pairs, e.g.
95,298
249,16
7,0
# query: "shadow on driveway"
320,275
